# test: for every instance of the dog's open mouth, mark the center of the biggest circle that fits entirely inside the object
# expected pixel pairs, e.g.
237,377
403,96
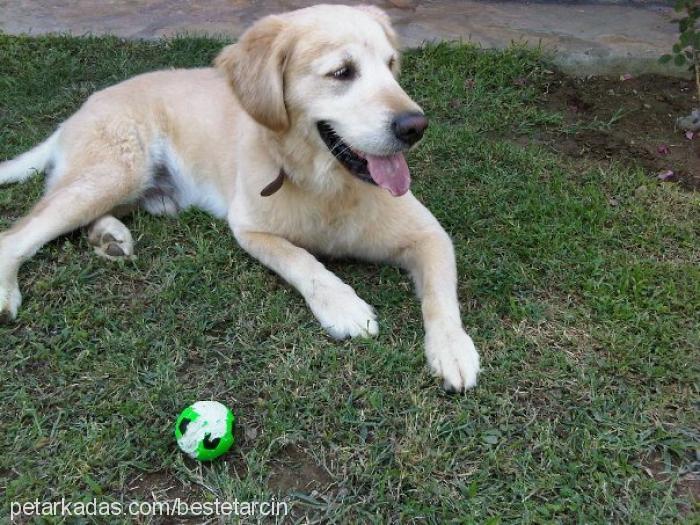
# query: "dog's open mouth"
389,172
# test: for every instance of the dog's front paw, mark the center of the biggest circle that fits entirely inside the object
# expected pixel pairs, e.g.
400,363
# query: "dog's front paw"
10,299
451,355
342,313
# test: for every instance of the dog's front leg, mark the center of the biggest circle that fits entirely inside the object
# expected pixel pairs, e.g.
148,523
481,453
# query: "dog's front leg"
449,350
335,304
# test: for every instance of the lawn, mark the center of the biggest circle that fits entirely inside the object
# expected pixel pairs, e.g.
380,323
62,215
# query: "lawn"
579,281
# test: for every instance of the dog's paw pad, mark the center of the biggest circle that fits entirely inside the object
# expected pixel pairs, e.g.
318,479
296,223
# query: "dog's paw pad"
113,249
111,239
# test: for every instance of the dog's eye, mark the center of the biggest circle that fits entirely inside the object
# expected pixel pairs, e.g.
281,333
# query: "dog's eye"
346,72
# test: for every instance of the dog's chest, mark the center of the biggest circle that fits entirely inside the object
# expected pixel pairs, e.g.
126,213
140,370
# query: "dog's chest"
332,227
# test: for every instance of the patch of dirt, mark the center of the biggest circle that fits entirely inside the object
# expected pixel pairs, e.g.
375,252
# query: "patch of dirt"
161,486
630,120
688,485
295,470
5,474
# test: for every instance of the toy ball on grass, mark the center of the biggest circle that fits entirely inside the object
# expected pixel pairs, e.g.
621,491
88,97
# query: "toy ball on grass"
204,430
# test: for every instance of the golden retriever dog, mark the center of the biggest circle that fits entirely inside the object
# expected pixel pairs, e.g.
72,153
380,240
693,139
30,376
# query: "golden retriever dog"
296,137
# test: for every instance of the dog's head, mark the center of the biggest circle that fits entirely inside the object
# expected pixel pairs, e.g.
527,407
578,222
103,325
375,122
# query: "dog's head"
329,74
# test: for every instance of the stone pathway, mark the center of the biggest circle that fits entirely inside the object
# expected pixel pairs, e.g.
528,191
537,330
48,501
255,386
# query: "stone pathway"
603,37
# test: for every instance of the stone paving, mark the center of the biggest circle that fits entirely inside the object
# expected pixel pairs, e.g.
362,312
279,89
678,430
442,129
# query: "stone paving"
601,37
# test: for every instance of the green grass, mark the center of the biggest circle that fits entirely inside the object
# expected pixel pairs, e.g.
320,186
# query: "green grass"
585,313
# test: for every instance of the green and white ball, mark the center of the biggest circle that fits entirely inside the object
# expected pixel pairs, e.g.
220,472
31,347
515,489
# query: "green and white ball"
204,430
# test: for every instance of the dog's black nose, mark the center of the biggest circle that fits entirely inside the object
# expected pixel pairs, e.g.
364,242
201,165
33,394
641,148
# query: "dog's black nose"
409,127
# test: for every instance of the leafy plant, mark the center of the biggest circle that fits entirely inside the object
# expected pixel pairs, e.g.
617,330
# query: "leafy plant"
687,49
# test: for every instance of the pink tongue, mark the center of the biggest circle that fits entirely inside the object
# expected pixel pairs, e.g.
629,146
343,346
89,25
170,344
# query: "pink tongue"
391,173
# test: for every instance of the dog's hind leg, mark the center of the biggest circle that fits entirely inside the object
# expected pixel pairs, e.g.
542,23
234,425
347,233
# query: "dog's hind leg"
110,238
76,201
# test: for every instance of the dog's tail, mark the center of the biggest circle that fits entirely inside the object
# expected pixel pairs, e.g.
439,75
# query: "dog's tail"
29,163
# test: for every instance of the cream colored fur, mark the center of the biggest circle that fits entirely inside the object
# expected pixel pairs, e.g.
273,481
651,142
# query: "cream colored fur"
224,133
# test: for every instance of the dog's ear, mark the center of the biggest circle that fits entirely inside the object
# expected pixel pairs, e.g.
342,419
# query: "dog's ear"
384,20
255,68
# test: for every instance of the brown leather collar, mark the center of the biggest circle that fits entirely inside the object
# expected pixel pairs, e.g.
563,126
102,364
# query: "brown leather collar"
275,185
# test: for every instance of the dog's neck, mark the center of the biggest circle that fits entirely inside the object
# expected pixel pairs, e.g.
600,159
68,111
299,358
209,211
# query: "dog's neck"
305,163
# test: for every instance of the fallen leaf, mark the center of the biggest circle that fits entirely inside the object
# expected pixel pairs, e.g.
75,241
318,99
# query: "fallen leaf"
689,135
491,438
690,122
663,149
41,443
626,76
665,175
469,83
